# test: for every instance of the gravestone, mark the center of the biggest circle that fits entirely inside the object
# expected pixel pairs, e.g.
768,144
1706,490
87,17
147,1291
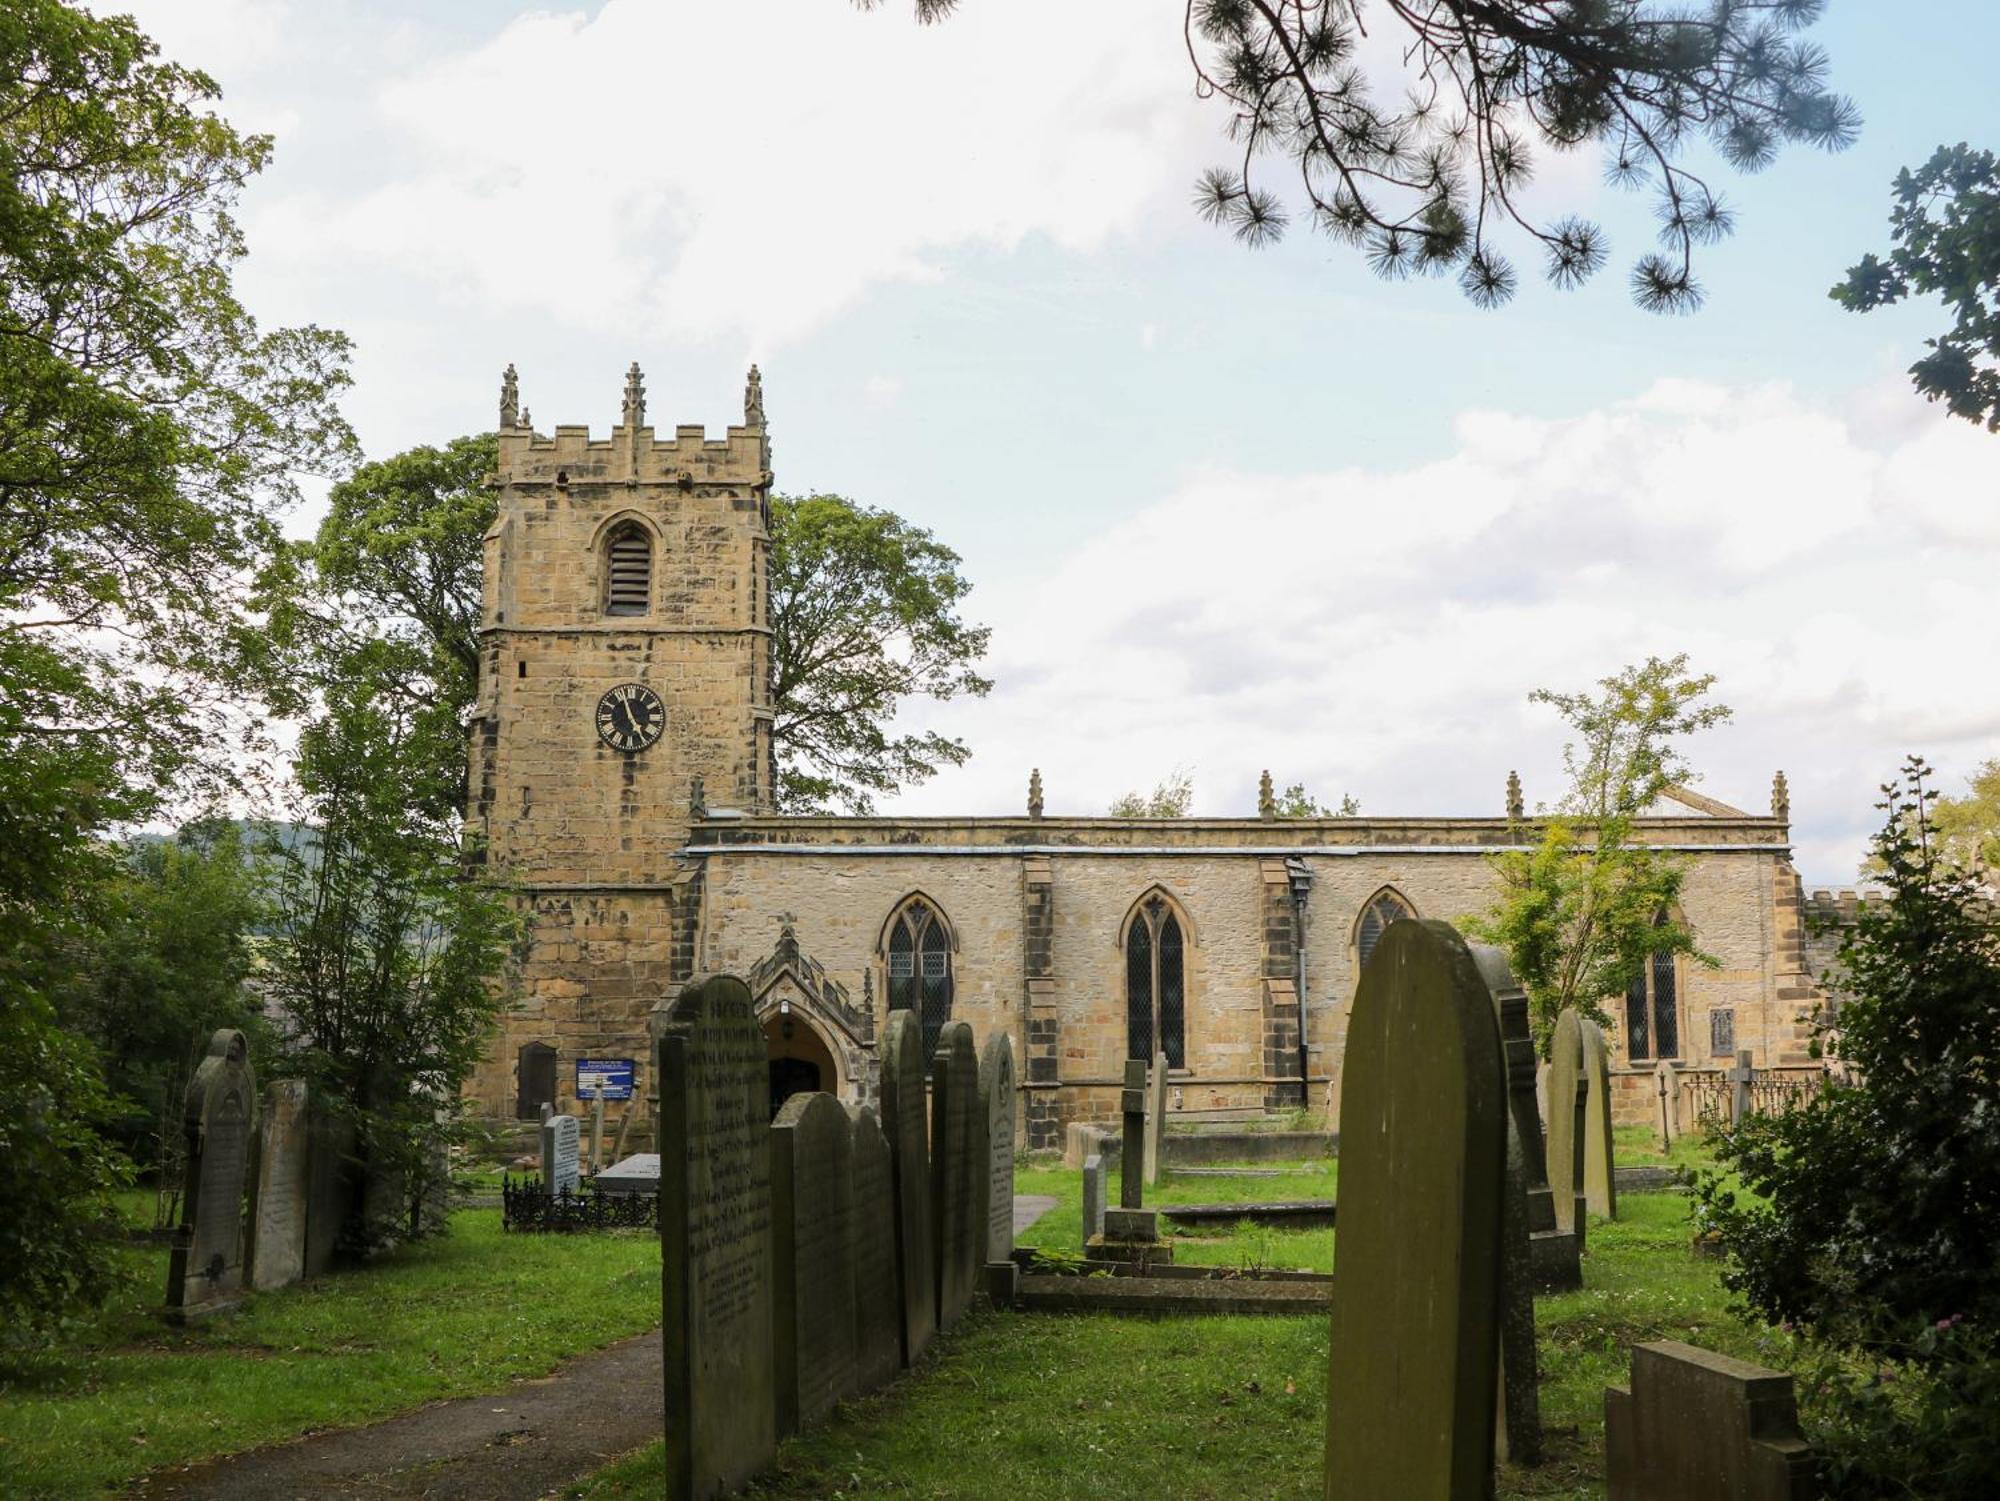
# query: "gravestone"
1667,1087
1093,1197
330,1184
278,1196
1600,1185
205,1271
561,1156
1567,1131
715,1238
1156,1119
997,1104
1132,1150
1518,1432
905,1123
958,1171
1416,1279
1740,1078
878,1338
1694,1423
812,1259
1552,1253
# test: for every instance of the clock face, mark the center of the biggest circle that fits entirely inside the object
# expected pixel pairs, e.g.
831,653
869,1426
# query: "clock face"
630,717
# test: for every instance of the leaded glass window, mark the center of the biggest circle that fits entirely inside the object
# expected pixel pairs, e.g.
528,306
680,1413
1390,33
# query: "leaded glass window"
920,969
1155,984
1652,1007
1384,908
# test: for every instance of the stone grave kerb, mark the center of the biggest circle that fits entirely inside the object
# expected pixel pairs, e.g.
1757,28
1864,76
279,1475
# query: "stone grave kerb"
713,1071
218,1112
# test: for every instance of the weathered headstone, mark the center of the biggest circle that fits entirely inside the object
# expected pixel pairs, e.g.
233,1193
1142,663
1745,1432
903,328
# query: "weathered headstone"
905,1122
1667,1089
1093,1197
1694,1423
330,1184
878,1338
1132,1153
715,1238
1518,1434
1567,1132
1600,1184
561,1157
278,1196
958,1171
1552,1253
1156,1118
997,1104
205,1271
1416,1277
812,1259
1740,1078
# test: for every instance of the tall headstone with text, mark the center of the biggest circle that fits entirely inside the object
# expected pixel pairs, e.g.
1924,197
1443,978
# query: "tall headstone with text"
562,1159
715,1238
1600,1182
1567,1089
905,1121
958,1170
997,1104
205,1270
878,1338
278,1193
1416,1276
1552,1253
812,1258
1695,1423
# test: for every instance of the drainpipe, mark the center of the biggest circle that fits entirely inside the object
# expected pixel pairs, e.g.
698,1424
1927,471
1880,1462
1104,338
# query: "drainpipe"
1299,875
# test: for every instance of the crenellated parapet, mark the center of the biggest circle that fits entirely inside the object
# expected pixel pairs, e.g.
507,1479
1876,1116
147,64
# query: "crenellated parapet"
633,453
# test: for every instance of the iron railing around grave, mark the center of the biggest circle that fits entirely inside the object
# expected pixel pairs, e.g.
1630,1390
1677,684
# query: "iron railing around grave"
1708,1100
528,1206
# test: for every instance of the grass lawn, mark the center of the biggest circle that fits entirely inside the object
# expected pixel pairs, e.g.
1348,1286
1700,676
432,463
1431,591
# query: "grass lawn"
1041,1407
451,1317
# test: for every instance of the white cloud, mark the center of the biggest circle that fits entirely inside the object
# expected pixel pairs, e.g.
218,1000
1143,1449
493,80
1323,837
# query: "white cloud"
676,167
1378,632
882,391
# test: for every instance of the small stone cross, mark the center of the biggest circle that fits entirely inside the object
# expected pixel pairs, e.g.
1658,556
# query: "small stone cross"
1740,1076
1132,1161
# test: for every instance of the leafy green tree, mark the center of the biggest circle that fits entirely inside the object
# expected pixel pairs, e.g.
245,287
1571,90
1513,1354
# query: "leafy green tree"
1173,797
385,959
168,954
1296,802
1432,181
1581,911
150,432
1869,1216
864,614
1968,827
1946,229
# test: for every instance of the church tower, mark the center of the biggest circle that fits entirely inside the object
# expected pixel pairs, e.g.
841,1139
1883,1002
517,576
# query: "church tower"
624,682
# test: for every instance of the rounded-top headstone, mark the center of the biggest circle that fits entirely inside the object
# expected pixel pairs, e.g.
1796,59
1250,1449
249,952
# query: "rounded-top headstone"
906,1123
1565,1075
958,1170
812,1205
1600,1185
218,1111
878,1339
997,1098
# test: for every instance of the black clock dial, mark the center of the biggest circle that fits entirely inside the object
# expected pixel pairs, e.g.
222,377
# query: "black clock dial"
630,717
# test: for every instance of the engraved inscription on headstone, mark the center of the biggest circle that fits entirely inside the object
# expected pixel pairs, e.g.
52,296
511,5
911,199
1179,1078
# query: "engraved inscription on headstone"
715,1239
812,1258
905,1121
561,1155
958,1170
278,1197
997,1100
205,1271
878,1342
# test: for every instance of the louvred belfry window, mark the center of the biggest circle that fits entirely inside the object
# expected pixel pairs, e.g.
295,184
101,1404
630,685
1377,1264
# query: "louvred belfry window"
920,969
1155,984
628,575
1652,1008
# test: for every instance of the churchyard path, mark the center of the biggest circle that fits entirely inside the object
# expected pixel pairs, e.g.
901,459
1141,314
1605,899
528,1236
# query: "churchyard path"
517,1445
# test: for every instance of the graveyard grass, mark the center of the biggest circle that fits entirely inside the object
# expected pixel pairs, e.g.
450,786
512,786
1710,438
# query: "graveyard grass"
1038,1407
456,1316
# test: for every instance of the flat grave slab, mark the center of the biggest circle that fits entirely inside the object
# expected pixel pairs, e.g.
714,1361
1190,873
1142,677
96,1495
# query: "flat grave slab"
637,1174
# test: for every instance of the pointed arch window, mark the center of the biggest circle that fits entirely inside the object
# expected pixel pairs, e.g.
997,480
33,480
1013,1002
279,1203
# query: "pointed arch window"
628,571
1156,983
919,954
1652,1006
1385,907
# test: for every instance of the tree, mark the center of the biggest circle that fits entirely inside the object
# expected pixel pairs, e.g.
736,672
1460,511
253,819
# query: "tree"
1946,226
385,957
1968,828
1433,182
1296,802
150,433
864,614
1869,1216
1171,798
1581,911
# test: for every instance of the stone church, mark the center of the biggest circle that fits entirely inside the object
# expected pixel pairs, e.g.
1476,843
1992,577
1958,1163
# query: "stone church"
622,785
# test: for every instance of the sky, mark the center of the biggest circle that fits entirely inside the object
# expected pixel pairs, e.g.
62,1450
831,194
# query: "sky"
1225,509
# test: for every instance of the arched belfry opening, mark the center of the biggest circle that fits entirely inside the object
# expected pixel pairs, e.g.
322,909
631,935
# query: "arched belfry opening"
628,570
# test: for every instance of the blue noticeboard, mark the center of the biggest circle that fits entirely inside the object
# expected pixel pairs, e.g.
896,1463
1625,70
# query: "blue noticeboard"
607,1078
